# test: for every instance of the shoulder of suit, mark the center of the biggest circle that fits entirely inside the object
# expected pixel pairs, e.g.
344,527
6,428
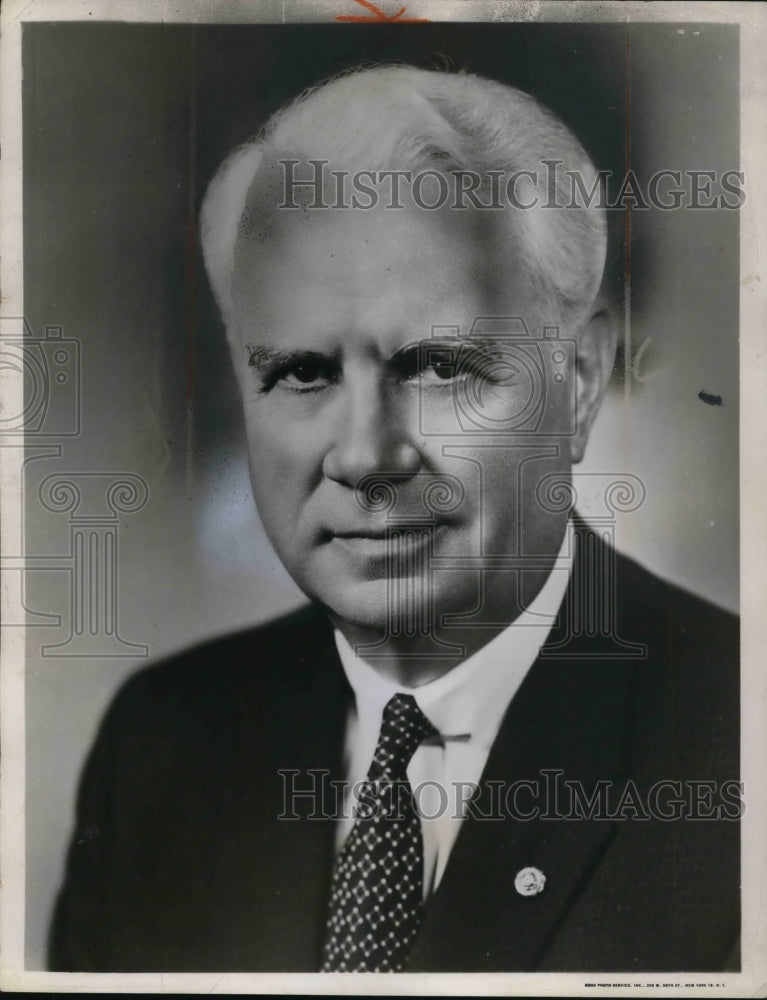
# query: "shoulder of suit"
687,688
644,594
678,651
283,654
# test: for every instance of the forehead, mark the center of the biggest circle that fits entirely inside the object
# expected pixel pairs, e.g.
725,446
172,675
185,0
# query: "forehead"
387,275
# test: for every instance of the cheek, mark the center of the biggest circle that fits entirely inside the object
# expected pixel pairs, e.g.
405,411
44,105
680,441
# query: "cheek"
285,461
503,474
265,454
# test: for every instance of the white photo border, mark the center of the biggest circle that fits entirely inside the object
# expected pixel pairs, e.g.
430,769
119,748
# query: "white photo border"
752,980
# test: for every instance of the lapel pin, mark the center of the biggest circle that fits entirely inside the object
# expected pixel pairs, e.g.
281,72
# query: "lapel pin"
529,881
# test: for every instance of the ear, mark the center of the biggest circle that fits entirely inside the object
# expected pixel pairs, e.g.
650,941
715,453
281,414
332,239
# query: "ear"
596,354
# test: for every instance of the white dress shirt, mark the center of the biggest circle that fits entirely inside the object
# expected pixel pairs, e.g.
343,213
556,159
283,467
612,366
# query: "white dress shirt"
466,705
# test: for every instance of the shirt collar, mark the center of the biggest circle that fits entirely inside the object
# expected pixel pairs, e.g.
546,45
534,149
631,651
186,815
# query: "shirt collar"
472,698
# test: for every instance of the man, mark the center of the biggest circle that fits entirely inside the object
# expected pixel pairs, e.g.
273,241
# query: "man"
489,744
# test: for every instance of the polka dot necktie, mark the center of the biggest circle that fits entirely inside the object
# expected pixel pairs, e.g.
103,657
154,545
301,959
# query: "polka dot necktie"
376,894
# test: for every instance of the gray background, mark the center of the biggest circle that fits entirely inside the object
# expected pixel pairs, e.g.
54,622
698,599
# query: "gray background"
123,128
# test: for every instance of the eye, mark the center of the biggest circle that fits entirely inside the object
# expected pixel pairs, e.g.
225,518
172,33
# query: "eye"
440,368
307,375
425,368
304,374
469,364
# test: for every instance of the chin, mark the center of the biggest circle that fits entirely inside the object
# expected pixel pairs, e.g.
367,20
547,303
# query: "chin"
363,605
372,605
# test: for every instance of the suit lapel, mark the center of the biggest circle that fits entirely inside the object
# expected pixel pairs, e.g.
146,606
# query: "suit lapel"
565,718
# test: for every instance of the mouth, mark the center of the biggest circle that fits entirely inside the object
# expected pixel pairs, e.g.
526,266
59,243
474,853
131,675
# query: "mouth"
384,543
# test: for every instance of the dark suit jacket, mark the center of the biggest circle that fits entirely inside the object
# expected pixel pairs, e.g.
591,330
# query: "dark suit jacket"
179,861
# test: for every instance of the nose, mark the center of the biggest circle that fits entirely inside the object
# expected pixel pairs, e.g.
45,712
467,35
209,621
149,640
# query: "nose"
371,437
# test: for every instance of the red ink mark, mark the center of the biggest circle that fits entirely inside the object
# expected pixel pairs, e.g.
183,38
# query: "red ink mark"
378,16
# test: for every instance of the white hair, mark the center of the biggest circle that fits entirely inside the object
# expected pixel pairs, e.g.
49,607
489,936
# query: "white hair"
403,118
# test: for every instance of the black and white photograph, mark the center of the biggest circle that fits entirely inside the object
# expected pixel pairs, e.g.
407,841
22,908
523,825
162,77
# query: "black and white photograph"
382,451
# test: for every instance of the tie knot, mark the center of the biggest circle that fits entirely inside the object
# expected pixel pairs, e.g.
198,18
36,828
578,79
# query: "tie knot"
403,728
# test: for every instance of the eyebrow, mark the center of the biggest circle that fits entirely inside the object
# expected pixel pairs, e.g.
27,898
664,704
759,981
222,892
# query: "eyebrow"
464,345
447,343
268,360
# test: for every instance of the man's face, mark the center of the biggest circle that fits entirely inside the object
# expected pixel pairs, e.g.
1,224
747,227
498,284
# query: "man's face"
345,375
